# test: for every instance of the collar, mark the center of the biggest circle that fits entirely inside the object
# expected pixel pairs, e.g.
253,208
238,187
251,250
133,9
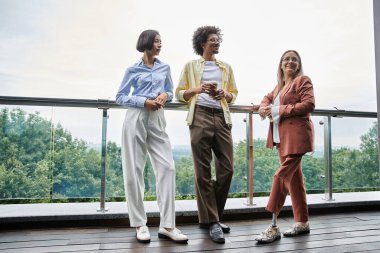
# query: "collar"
217,62
141,62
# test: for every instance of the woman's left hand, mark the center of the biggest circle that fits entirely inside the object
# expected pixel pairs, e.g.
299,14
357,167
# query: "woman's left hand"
162,98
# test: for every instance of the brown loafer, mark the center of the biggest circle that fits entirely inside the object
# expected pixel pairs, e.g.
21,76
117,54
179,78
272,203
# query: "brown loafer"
216,233
226,229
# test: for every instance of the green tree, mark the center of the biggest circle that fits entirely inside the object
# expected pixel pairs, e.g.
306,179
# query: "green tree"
355,169
44,161
24,142
185,176
370,157
114,171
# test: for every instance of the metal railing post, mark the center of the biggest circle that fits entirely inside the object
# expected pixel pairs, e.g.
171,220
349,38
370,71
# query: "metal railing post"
328,160
103,162
376,26
249,131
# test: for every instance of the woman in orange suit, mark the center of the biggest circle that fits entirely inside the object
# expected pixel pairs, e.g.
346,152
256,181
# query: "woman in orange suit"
291,131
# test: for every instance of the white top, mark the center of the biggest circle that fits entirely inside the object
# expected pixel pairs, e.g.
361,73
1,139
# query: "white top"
211,73
276,118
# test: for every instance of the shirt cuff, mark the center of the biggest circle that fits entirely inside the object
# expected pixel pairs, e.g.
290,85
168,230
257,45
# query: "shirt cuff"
140,101
275,114
170,96
180,95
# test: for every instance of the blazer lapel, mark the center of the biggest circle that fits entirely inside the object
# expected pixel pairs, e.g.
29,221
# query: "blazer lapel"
284,91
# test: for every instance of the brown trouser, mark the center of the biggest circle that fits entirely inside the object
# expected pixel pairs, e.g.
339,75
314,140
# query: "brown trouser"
289,178
209,133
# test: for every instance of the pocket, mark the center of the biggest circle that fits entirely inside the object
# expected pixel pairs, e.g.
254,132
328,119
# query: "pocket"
228,126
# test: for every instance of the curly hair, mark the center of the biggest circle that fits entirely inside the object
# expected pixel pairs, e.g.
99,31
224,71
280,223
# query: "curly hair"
200,37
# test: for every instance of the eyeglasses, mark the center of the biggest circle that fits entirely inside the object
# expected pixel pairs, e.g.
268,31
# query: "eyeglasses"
288,59
214,40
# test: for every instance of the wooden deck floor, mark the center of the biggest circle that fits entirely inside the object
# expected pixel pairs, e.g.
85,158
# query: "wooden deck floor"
344,232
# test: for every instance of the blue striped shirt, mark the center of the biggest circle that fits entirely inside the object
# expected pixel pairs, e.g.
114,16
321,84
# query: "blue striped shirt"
147,83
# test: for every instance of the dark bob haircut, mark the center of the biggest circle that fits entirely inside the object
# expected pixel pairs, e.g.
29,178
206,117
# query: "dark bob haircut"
146,40
200,37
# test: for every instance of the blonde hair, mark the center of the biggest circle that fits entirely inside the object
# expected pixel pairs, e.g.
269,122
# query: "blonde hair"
280,73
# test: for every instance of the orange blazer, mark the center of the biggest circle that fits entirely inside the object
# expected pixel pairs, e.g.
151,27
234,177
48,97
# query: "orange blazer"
296,129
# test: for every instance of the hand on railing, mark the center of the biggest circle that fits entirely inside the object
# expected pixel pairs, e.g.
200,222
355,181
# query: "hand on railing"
251,108
255,108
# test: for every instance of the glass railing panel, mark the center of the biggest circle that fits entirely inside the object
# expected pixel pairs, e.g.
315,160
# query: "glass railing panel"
25,156
266,161
239,183
114,172
355,162
179,136
53,153
313,166
76,152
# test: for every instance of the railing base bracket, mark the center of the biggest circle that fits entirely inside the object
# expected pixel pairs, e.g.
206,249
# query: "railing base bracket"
249,203
327,199
102,210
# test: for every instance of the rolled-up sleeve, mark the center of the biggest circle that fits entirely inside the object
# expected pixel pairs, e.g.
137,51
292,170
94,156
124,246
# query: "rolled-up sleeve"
123,96
168,86
183,85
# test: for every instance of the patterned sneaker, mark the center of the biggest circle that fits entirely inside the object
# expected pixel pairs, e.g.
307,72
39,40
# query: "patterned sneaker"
297,229
271,234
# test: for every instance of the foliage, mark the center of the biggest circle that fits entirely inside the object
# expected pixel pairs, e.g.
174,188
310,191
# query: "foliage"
43,162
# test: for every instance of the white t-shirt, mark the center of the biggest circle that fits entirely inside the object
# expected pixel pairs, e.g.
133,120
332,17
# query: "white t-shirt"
276,118
211,72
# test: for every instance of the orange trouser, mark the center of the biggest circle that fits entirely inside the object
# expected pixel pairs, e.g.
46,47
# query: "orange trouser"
289,178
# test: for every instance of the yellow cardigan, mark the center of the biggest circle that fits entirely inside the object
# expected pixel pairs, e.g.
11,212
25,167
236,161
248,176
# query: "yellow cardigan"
191,77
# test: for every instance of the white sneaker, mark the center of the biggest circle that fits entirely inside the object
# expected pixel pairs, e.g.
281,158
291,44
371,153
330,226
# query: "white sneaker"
142,234
174,235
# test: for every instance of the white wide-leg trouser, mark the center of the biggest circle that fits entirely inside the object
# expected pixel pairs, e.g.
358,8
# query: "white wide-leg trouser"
144,132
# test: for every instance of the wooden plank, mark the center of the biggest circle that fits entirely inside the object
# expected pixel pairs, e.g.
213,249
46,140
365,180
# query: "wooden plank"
355,232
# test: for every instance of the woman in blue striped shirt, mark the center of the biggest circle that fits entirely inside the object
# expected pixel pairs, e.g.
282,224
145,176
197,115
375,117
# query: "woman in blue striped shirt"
145,88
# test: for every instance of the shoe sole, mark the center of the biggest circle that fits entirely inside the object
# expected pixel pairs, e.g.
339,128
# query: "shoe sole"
219,241
206,226
226,230
266,242
143,241
299,233
162,236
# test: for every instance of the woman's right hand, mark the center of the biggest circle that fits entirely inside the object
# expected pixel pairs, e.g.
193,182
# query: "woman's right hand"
265,111
152,105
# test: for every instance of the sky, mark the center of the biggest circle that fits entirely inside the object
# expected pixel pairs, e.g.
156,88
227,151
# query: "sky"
80,49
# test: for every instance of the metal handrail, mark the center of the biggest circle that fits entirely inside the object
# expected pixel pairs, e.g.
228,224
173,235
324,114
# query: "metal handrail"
95,103
105,104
